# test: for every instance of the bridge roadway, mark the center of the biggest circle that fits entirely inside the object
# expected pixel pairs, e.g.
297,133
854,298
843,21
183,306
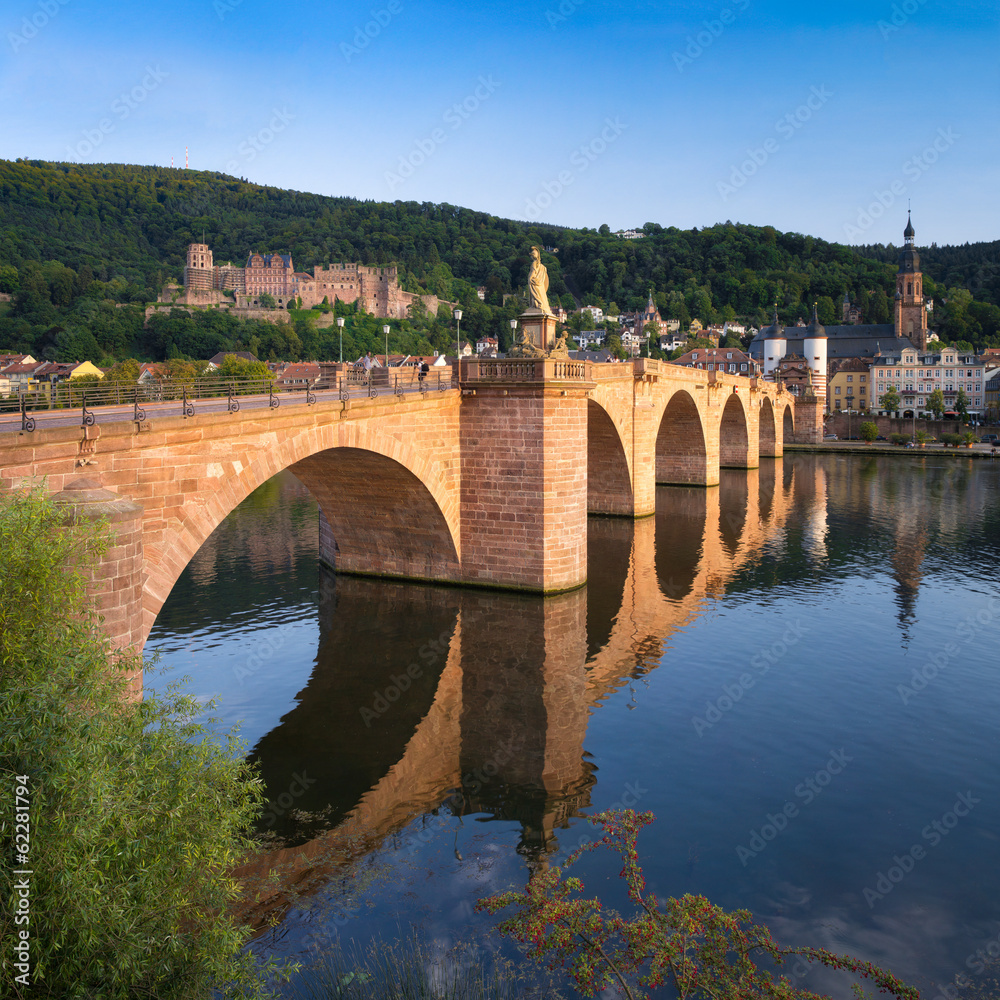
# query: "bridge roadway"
487,483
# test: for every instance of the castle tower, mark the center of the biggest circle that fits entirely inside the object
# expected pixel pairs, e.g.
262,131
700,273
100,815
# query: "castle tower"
910,314
814,349
199,268
775,345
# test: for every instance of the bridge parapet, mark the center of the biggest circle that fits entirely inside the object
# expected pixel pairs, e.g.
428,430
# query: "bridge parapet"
493,370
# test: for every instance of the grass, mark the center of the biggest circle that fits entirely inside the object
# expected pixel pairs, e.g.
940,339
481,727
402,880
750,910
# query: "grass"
409,970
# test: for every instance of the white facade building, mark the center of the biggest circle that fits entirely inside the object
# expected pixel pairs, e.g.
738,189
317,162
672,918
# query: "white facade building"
915,376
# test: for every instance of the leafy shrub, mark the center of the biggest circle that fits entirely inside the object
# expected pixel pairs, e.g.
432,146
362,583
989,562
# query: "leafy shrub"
868,430
899,438
137,817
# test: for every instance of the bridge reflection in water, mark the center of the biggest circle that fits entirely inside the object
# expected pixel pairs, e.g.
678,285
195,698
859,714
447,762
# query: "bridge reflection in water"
486,712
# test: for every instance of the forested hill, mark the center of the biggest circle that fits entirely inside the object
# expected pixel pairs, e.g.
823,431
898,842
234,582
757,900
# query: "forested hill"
109,221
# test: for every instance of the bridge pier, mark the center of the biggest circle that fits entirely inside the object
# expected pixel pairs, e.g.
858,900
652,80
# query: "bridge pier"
116,581
523,446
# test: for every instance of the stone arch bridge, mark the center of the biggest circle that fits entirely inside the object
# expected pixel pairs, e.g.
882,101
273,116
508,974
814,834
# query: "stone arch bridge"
485,484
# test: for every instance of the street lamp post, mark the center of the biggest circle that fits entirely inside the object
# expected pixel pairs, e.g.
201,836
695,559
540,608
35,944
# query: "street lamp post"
458,336
513,331
340,326
385,330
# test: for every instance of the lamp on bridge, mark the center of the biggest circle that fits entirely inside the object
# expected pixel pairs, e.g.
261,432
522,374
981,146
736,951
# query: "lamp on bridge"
340,325
458,335
385,330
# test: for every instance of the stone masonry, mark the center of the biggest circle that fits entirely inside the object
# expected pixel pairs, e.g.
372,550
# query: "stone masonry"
485,484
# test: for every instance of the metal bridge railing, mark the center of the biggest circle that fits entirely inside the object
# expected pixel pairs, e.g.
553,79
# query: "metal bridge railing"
154,398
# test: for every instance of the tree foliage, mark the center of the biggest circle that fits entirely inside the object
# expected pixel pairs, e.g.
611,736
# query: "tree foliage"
78,241
890,400
137,817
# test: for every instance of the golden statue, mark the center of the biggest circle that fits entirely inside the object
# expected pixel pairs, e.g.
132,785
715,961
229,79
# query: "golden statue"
538,283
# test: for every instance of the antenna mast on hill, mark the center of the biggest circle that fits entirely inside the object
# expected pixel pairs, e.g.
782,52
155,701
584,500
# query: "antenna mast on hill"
185,157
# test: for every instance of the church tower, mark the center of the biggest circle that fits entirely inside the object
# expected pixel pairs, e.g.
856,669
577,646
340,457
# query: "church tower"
911,316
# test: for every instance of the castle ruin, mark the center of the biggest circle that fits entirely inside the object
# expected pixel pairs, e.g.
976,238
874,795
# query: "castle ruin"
375,289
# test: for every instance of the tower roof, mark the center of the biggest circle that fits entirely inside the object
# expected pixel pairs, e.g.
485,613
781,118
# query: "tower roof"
775,330
909,259
815,329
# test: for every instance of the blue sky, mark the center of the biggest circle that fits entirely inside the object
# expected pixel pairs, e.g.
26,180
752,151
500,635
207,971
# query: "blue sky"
822,119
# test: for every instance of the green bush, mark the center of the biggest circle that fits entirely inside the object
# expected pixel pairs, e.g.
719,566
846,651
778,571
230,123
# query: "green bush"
899,438
868,430
137,816
950,439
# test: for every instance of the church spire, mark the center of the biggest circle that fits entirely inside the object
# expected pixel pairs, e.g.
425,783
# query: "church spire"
909,232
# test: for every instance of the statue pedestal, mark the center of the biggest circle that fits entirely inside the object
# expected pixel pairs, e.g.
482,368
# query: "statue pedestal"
539,328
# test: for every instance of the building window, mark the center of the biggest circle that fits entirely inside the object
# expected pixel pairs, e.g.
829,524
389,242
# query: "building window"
837,390
850,378
861,379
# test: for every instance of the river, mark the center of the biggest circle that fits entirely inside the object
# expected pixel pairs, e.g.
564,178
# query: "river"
796,672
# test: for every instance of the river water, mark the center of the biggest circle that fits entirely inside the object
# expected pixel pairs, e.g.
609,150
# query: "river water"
796,672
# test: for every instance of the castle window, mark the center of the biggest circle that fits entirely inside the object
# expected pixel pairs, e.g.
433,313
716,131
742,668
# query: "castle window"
909,288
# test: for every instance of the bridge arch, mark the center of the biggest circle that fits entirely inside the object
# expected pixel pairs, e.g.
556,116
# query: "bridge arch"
387,506
734,435
787,425
681,452
609,481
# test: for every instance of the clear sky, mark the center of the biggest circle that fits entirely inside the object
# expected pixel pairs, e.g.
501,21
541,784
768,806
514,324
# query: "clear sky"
806,116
